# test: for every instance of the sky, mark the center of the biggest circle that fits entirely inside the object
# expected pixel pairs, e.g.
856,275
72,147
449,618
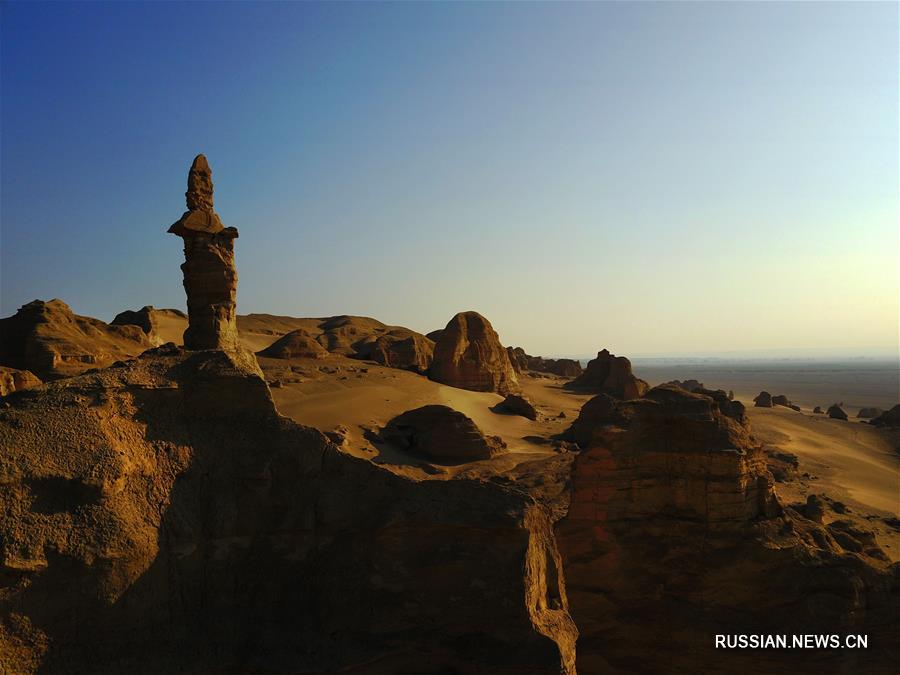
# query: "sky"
652,178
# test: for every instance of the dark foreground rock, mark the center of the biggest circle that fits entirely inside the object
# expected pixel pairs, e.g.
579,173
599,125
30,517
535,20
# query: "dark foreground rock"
440,433
514,404
182,525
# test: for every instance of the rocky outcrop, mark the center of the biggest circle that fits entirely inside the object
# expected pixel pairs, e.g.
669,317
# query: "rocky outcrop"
52,342
210,277
869,413
514,404
298,344
357,337
399,348
190,528
835,412
610,374
440,433
468,355
148,319
890,419
687,385
12,380
763,400
673,522
522,362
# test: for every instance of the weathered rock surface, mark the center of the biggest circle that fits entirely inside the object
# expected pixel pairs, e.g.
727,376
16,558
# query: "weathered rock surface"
358,337
148,318
687,385
514,404
835,412
763,400
468,355
869,413
522,362
891,418
440,433
610,374
51,341
161,517
210,277
674,535
12,380
296,344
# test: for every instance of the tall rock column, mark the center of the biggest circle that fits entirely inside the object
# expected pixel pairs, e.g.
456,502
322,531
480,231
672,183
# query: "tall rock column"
210,278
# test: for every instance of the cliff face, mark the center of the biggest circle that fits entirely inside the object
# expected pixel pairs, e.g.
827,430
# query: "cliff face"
161,517
674,535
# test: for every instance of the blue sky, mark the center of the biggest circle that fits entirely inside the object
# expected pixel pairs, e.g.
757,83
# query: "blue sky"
653,178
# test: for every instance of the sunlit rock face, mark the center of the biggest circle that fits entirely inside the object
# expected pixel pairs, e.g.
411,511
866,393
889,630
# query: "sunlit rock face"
609,374
210,277
468,355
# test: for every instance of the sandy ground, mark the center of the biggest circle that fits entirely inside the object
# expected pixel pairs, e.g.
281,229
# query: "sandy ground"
362,396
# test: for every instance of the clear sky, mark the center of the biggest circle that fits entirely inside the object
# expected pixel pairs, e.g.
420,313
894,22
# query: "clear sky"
653,178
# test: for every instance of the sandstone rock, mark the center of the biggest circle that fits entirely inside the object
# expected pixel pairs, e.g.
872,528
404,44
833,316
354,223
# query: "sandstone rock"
611,375
687,385
523,362
440,433
869,413
815,508
514,404
51,341
763,400
818,410
148,319
673,522
468,355
399,348
725,402
210,277
12,380
783,400
891,418
835,412
190,528
434,335
297,344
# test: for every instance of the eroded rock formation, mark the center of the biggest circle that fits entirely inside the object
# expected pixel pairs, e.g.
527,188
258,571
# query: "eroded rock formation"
184,526
296,344
869,413
763,400
522,362
13,379
210,277
468,355
515,404
51,341
835,412
610,374
891,418
440,433
674,535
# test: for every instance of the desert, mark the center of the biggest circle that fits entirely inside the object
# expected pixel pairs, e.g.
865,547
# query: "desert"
449,339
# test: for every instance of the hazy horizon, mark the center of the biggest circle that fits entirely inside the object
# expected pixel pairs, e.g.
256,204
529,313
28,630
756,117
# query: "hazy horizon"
656,179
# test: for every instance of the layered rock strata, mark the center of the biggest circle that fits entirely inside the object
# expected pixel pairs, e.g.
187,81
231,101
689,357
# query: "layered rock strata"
210,277
468,355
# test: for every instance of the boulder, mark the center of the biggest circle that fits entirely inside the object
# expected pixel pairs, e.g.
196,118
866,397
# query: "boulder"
298,344
781,399
440,433
763,400
818,410
869,413
610,374
468,355
890,419
835,412
514,404
399,348
12,380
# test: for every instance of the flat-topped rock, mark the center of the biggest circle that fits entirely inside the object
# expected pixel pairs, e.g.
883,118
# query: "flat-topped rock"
610,374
